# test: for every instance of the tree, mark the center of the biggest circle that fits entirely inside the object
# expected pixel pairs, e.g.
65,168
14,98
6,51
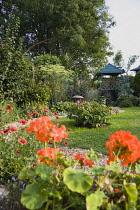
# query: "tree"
14,67
57,78
136,84
77,30
125,89
118,61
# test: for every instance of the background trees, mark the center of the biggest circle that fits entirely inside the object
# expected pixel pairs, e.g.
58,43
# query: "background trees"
78,29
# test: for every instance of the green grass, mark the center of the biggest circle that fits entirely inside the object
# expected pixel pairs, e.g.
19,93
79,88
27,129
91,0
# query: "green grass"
96,138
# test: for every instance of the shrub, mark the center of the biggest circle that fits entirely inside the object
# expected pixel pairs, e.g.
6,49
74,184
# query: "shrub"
62,106
136,84
91,95
89,114
34,94
125,102
128,101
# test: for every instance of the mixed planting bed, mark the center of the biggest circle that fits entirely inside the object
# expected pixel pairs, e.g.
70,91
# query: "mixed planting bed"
58,163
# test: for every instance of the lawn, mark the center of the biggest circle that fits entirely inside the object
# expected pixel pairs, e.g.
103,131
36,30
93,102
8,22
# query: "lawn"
95,138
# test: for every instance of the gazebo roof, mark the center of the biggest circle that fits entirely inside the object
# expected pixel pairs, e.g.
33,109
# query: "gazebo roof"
136,69
109,69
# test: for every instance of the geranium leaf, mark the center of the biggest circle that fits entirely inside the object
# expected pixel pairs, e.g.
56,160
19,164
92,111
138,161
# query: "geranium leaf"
95,200
27,173
131,191
77,180
32,197
137,168
43,171
98,170
114,167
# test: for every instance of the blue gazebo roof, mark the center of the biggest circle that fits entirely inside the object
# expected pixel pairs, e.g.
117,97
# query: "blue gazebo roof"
136,69
109,69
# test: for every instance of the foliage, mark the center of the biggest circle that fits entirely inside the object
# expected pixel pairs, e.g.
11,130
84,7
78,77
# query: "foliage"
9,112
46,59
136,84
84,41
119,61
56,77
89,114
55,182
14,67
35,93
92,95
15,151
125,88
62,106
124,101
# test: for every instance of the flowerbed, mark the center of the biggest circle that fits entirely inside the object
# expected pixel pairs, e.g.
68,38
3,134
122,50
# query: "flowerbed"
54,180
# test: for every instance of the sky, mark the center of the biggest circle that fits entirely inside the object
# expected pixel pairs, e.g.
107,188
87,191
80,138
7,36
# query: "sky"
125,36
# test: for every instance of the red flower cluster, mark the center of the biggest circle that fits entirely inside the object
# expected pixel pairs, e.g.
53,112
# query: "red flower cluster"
45,130
83,160
48,155
125,146
7,130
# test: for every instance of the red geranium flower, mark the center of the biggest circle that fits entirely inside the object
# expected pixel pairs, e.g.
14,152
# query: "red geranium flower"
57,117
17,151
12,128
83,160
117,190
125,146
23,121
46,111
66,143
56,113
35,113
5,131
22,141
9,107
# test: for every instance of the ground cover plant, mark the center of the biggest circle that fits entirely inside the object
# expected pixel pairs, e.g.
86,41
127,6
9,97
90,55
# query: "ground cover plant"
25,145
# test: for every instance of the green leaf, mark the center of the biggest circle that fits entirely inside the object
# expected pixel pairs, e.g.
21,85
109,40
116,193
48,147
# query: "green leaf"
43,171
32,197
77,180
98,170
114,167
27,173
131,191
137,169
95,200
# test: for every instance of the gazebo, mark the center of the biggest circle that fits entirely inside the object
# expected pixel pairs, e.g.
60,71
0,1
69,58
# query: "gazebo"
110,77
136,69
